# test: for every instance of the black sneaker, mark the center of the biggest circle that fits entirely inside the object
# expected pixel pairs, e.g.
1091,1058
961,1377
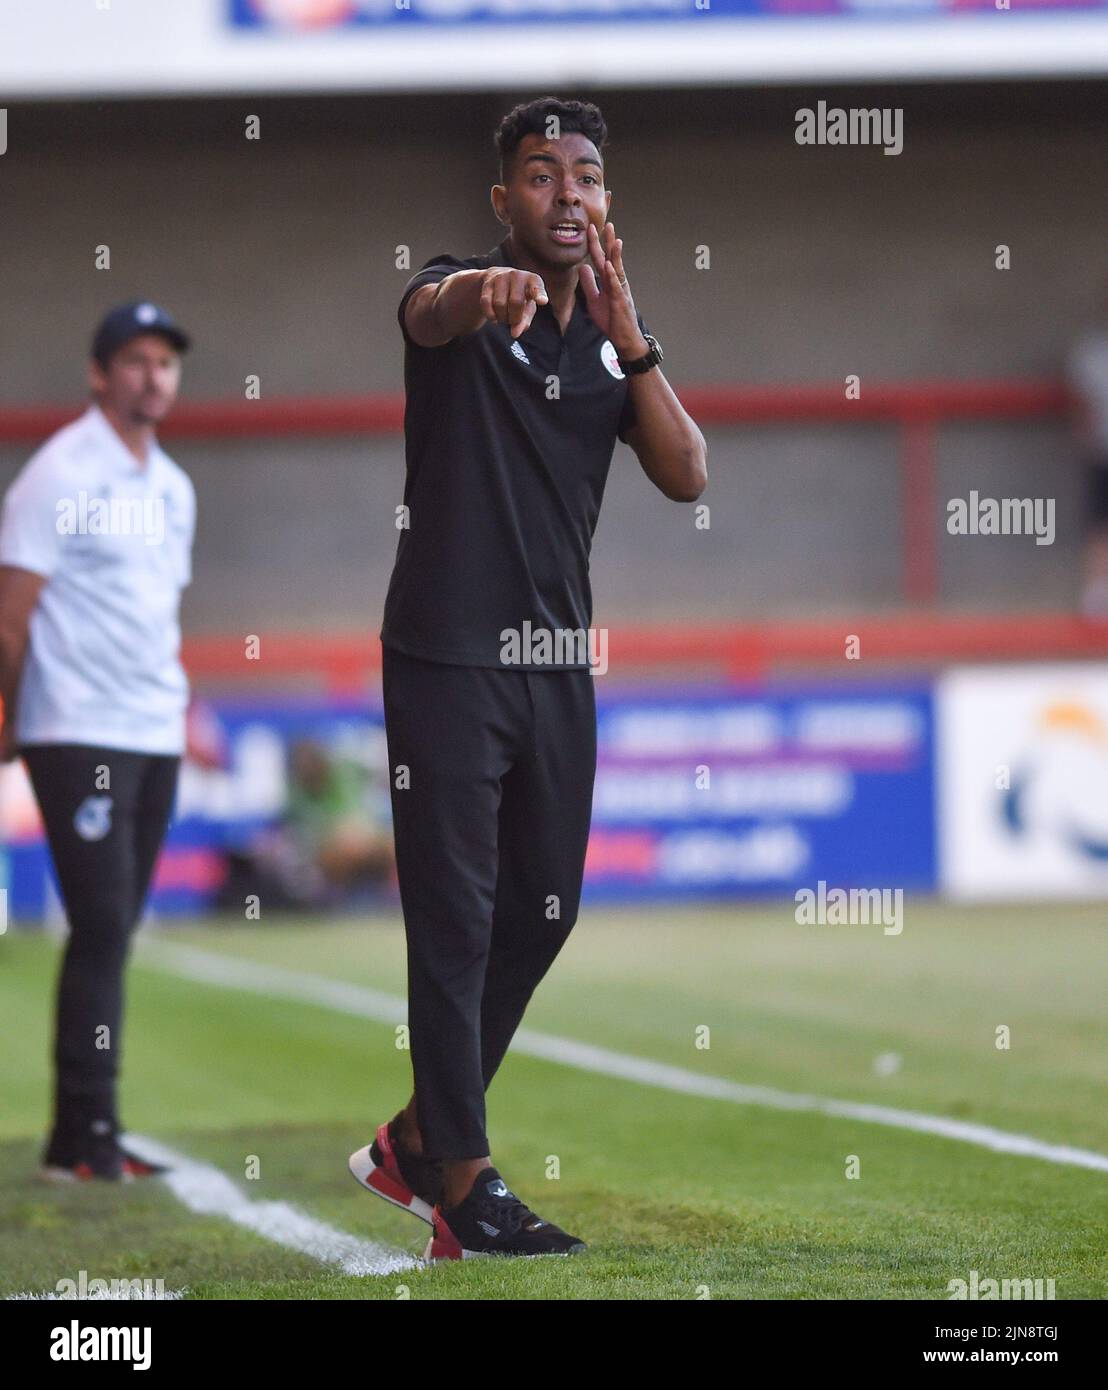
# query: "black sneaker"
492,1220
96,1154
78,1152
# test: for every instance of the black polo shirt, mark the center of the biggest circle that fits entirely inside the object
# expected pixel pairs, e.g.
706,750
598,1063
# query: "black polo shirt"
504,480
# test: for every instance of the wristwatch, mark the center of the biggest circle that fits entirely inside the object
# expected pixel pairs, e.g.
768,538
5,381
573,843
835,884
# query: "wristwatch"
647,361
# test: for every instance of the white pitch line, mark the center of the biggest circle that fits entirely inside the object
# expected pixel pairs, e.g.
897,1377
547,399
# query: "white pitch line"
227,972
207,1191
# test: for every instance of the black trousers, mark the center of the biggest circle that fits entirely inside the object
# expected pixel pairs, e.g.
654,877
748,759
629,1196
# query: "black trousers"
106,812
492,778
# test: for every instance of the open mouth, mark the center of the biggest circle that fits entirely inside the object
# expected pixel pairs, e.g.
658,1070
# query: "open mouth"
568,233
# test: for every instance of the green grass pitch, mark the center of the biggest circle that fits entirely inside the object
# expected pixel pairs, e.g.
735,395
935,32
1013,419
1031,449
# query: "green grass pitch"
678,1196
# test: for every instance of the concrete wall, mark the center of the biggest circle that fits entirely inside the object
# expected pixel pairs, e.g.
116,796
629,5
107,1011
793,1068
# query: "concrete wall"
279,256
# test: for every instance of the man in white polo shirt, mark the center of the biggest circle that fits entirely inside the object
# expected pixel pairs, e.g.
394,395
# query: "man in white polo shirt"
95,546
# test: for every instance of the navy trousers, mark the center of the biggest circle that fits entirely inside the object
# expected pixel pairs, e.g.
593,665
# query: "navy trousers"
104,842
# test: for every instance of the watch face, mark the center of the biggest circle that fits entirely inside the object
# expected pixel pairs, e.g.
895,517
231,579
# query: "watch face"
654,355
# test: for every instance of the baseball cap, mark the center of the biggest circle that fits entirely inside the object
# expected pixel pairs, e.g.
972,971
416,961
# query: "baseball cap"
127,321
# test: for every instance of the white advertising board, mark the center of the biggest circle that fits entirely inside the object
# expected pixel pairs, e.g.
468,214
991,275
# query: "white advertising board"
1022,782
100,48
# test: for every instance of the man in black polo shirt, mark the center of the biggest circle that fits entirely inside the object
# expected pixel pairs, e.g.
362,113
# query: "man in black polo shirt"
521,367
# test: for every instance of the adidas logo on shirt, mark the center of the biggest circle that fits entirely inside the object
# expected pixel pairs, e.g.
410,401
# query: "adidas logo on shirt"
520,353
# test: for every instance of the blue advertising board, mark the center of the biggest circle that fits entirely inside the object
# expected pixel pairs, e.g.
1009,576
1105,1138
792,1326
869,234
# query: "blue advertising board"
315,15
701,792
719,793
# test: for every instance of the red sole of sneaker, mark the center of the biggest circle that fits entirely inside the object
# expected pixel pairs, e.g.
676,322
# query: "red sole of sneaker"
437,1252
433,1256
82,1173
381,1183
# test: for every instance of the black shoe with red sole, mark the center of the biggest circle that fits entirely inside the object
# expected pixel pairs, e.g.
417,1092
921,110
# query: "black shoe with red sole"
100,1156
492,1220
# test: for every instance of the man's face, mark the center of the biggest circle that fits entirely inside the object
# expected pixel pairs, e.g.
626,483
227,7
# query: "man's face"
554,181
141,379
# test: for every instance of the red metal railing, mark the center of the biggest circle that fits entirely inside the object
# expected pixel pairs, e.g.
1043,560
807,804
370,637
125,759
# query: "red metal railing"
917,408
344,662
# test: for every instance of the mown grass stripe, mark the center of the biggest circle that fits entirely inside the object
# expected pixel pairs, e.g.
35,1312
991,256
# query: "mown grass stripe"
228,972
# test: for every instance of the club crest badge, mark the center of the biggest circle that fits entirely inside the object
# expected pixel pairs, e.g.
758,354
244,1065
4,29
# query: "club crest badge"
610,358
93,819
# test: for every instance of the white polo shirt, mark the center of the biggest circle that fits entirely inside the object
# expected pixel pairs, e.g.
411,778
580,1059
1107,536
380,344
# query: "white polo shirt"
114,539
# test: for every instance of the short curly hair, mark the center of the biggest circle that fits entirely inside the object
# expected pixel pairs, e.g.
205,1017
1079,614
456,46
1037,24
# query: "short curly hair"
531,118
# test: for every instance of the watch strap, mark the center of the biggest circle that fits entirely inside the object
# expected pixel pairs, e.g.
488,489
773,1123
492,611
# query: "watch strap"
649,359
